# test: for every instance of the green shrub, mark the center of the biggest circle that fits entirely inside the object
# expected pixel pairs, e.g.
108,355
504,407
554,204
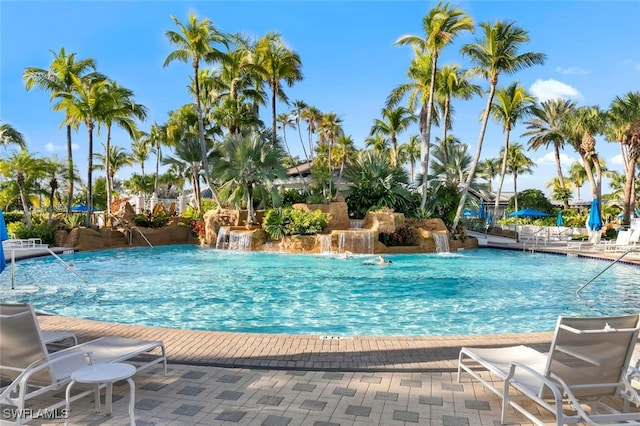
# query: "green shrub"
280,222
73,220
10,217
293,196
40,230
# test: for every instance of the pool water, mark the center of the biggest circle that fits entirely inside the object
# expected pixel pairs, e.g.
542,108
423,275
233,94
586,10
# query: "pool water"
188,287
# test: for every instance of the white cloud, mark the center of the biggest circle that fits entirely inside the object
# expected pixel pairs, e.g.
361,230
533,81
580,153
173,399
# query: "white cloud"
56,148
618,160
553,89
634,64
572,71
550,159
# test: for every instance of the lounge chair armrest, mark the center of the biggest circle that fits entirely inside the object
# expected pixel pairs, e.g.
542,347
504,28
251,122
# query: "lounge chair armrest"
21,382
559,389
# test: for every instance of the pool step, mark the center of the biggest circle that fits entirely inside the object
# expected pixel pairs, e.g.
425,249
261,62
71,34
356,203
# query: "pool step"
118,239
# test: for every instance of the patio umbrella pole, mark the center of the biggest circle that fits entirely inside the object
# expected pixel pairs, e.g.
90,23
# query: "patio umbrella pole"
13,272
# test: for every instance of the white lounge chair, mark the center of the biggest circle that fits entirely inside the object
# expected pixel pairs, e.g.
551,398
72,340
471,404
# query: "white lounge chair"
587,363
48,337
619,244
31,370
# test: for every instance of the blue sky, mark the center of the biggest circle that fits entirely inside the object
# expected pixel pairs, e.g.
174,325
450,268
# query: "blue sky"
350,63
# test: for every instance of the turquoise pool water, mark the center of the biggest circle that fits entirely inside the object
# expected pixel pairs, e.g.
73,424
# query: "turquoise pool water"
470,292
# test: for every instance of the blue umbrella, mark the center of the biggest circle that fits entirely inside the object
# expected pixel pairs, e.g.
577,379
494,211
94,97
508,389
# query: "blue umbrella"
81,208
481,212
595,218
559,220
490,218
528,213
3,237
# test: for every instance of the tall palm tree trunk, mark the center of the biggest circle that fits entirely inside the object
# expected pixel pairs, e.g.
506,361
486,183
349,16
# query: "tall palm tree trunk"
90,178
515,190
107,168
72,176
203,146
503,172
556,153
476,159
628,187
425,130
157,178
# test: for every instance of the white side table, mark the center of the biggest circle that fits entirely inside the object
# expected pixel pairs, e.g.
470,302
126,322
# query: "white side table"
104,373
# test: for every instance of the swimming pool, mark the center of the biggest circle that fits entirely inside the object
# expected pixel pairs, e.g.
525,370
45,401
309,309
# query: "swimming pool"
469,292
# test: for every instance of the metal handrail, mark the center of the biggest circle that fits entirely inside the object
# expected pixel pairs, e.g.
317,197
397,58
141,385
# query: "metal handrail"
139,232
605,269
58,258
534,237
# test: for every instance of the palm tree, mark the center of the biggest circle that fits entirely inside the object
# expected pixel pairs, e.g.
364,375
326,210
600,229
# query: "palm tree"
277,63
329,130
55,171
298,108
510,105
489,169
86,104
120,110
560,190
9,135
624,114
494,54
187,156
453,83
57,80
346,152
140,151
579,129
156,137
312,116
518,164
441,25
117,159
545,129
196,42
23,170
248,164
450,163
410,153
578,175
394,121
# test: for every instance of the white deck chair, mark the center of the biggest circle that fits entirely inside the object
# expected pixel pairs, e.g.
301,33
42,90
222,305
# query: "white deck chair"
48,337
587,363
620,243
30,370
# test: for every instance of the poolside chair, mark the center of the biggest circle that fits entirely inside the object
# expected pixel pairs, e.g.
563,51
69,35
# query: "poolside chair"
48,337
586,367
31,370
620,243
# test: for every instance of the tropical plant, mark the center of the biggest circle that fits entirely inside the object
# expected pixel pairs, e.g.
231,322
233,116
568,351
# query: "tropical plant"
518,164
510,105
531,199
276,63
9,135
248,165
545,128
24,171
394,121
281,222
196,41
489,169
441,25
578,175
376,183
494,54
580,129
60,80
624,115
410,153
